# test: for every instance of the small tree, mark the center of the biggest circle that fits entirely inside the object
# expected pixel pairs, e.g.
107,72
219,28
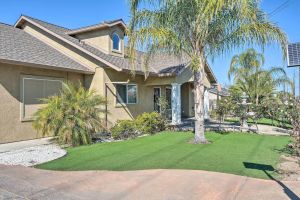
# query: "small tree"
72,116
164,105
294,117
223,108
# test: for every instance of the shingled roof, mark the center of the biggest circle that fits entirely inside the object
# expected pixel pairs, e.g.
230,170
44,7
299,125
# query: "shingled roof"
17,46
101,25
224,92
159,64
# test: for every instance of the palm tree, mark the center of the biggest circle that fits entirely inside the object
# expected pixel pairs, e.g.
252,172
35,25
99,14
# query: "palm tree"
199,29
250,77
249,61
72,116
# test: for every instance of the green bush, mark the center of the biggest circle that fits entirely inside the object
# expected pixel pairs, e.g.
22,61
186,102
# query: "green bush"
124,129
150,123
72,116
147,123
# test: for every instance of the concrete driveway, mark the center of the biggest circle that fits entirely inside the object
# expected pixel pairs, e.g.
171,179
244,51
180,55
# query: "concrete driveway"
28,183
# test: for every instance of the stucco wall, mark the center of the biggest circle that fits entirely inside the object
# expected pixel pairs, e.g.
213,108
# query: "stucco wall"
64,48
104,74
102,39
11,127
130,111
91,81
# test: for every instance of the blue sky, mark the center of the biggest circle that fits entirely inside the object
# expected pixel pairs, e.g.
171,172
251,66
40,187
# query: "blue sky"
74,14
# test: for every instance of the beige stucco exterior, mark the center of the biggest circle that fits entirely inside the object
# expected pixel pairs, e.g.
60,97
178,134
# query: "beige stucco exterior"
102,39
12,128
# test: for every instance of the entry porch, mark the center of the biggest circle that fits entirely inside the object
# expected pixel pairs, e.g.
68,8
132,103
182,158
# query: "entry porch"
179,93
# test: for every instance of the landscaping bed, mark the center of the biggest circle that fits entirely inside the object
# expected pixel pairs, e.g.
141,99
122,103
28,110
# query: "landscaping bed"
228,153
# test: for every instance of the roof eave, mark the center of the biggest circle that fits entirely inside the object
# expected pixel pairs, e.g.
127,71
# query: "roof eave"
96,27
50,67
18,24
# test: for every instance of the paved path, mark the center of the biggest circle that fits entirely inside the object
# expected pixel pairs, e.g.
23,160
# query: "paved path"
273,130
213,125
28,183
24,144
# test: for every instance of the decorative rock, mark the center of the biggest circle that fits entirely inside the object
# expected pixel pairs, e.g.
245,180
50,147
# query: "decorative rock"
289,158
32,155
289,167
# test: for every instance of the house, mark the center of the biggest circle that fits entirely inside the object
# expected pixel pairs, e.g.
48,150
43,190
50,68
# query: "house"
211,97
36,56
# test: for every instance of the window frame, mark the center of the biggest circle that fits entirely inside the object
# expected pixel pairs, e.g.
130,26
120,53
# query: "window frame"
157,87
119,44
23,117
118,103
169,88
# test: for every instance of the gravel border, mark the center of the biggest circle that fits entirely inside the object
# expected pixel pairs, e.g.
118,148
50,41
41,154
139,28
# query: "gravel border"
31,156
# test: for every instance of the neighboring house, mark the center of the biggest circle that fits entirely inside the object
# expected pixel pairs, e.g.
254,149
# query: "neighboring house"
36,56
216,93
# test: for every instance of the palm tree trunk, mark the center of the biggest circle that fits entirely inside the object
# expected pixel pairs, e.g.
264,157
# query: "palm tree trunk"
199,103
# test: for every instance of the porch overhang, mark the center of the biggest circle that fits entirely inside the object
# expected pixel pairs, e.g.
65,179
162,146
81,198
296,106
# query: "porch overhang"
184,77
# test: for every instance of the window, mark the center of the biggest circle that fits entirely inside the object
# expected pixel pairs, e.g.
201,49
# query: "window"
131,94
121,93
156,96
35,88
169,97
126,93
116,42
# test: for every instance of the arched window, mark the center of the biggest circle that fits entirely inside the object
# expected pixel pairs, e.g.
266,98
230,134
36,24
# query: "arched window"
116,42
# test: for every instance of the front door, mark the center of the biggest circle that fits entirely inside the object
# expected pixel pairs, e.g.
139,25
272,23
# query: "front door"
156,97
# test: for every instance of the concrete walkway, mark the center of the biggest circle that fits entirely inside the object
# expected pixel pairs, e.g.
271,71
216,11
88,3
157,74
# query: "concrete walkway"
24,144
27,183
213,125
273,130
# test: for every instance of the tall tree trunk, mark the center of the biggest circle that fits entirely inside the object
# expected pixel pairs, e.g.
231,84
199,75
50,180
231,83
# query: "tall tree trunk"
199,102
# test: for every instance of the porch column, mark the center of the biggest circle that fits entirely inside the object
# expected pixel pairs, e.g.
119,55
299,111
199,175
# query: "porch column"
176,103
206,104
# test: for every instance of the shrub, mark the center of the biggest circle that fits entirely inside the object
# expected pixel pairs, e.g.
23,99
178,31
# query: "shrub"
150,123
164,106
146,123
72,116
124,129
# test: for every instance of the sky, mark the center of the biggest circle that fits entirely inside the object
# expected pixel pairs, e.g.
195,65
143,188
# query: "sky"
78,13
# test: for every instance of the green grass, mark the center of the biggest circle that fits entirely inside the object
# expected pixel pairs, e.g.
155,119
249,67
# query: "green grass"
167,150
263,121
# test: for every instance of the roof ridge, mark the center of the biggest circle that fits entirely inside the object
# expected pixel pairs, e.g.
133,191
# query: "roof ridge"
103,22
6,24
113,21
83,27
46,22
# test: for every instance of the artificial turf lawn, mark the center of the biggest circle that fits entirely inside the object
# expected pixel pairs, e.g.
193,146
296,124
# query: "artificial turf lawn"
226,153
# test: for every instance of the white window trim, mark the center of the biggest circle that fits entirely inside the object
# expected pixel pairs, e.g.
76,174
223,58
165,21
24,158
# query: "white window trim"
112,43
22,88
118,104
